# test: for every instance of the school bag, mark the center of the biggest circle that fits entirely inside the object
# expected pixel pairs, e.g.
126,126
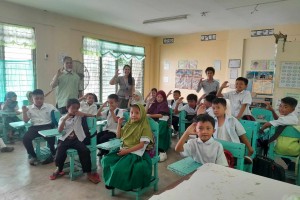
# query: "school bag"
266,167
117,111
229,158
248,117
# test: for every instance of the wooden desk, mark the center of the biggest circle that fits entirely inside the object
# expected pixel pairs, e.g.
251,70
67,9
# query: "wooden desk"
211,182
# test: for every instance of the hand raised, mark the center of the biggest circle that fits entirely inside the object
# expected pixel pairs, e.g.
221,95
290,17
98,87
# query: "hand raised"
24,109
201,109
169,93
192,129
225,84
60,71
120,120
179,101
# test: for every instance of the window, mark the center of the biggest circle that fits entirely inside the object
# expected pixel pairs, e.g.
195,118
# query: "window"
17,66
103,58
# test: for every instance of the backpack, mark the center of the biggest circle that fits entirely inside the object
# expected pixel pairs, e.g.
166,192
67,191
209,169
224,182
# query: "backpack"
248,117
229,158
266,167
172,101
117,111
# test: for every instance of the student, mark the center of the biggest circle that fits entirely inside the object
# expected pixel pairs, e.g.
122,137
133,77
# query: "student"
172,104
40,115
203,149
190,108
136,98
10,105
228,127
240,98
87,104
209,84
150,98
112,114
29,97
206,106
159,111
73,136
4,148
288,116
131,167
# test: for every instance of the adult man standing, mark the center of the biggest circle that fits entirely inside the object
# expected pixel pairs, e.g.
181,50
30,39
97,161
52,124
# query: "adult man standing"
67,84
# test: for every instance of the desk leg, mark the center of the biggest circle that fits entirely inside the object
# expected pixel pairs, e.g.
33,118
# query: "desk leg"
4,130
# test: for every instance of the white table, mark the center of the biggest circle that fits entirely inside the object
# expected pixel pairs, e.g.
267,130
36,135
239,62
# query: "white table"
211,182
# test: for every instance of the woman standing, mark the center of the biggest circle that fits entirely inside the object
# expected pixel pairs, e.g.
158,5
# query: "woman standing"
126,86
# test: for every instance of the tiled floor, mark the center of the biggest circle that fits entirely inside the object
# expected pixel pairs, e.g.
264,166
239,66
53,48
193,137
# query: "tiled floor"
20,181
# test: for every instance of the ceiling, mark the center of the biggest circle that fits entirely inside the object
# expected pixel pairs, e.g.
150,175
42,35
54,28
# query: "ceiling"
130,14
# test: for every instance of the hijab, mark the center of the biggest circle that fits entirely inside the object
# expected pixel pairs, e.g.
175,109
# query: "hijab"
160,108
132,132
141,101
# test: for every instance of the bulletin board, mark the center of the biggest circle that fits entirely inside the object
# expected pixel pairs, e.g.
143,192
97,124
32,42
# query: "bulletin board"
260,82
290,75
187,78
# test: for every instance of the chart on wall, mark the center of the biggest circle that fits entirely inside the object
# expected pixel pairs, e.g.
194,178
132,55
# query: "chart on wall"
187,78
187,64
262,65
290,75
260,82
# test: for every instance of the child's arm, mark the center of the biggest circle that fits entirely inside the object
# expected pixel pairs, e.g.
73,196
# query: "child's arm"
266,125
155,115
169,93
269,107
101,108
245,141
83,97
54,82
132,149
25,116
148,95
191,130
243,108
120,121
81,114
224,85
178,102
114,116
61,125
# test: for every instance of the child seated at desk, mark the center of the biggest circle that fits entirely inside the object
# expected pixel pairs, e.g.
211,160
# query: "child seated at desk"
87,104
190,108
73,135
288,117
172,104
131,167
151,96
11,105
203,149
206,106
159,111
112,114
40,115
229,128
137,97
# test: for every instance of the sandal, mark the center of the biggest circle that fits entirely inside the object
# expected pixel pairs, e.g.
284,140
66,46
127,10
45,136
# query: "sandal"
56,175
94,178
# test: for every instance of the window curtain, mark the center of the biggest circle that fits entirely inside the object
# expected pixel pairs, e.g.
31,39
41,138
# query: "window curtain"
101,48
17,36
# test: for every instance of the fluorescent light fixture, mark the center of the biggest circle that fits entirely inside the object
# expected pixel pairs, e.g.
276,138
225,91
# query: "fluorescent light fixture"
164,19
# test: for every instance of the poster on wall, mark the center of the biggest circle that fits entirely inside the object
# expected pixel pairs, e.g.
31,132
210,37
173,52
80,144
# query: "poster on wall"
262,65
187,78
187,64
260,82
290,75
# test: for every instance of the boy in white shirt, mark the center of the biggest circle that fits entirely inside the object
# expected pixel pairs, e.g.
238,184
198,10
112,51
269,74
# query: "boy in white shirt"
172,104
203,149
229,128
87,104
240,99
112,115
40,115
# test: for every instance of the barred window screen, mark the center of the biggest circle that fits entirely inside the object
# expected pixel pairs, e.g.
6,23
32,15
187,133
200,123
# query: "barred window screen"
103,58
17,63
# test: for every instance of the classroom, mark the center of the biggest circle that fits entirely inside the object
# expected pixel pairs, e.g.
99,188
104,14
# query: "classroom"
168,45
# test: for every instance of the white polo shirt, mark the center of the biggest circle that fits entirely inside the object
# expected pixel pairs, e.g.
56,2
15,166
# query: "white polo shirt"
72,124
236,101
88,109
189,110
111,124
174,105
290,119
210,151
40,116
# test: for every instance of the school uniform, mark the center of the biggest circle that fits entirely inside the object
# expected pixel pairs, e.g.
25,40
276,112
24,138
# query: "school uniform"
73,136
236,101
231,130
12,107
210,112
88,109
210,151
190,113
110,129
208,86
40,120
175,117
290,119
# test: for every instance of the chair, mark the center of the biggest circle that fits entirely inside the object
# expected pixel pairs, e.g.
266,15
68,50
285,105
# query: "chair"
184,166
155,160
182,122
237,150
74,165
288,132
262,114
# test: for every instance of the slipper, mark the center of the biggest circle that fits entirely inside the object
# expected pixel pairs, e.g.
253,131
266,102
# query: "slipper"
94,178
56,175
247,160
